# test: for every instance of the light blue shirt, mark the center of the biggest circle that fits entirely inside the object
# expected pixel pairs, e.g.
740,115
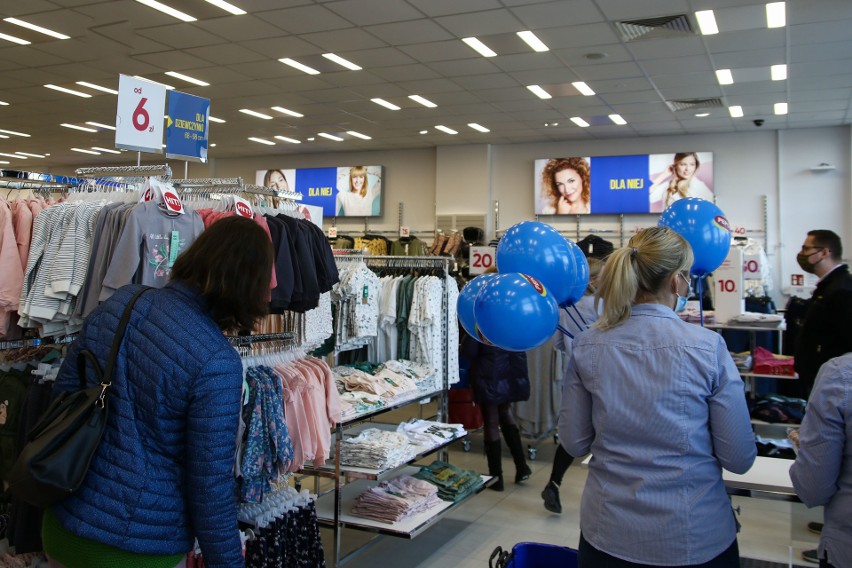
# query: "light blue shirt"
822,473
660,405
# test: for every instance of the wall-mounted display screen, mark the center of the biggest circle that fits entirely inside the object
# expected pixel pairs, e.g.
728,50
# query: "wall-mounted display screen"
646,183
345,191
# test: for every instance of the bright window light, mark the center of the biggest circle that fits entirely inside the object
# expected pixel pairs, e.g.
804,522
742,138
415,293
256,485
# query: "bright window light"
532,40
76,127
579,122
14,39
14,133
446,129
780,108
296,65
69,91
384,103
778,72
539,92
330,136
187,78
167,10
478,127
97,87
707,22
724,77
423,101
479,47
168,87
219,120
84,151
736,111
340,61
776,14
107,150
255,114
36,28
358,135
262,141
290,140
283,110
583,88
227,6
617,119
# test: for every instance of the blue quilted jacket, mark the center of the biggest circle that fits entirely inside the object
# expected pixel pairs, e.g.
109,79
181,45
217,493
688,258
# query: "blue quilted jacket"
164,471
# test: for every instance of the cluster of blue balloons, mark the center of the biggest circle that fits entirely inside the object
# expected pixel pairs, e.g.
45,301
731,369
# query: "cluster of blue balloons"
539,271
705,228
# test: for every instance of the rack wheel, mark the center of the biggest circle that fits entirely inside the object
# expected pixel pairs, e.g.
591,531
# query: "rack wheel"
556,439
298,485
533,452
466,445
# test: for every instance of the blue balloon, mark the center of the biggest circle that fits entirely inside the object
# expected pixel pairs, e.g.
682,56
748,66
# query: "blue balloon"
706,229
538,250
464,304
581,277
515,312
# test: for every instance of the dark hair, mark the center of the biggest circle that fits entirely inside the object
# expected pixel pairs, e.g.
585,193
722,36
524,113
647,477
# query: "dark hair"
231,264
829,240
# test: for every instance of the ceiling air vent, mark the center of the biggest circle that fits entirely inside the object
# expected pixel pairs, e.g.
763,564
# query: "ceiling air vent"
655,28
694,104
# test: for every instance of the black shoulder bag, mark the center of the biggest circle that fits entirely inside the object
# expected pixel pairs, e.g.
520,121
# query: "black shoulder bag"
60,447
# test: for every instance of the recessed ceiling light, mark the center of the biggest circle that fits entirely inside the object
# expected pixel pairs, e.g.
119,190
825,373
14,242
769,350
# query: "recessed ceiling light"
69,91
702,114
187,78
707,22
14,133
168,87
340,61
479,47
617,119
311,139
778,72
12,156
290,140
75,127
214,119
213,145
776,14
262,141
14,39
583,88
780,108
478,127
358,135
539,92
551,124
36,28
283,110
532,40
330,136
255,114
107,150
424,132
446,129
296,65
384,103
228,7
736,111
579,122
167,10
31,155
84,151
423,101
101,125
97,87
724,77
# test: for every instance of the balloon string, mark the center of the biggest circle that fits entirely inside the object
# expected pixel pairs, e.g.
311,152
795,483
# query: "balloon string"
582,319
565,331
573,319
701,300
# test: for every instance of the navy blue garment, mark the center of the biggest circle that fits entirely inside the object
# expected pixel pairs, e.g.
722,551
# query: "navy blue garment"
498,376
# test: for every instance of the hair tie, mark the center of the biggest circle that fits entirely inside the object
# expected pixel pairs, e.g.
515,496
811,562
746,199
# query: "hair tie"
634,253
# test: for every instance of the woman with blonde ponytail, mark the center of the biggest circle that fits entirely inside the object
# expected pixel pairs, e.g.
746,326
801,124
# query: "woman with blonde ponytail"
661,407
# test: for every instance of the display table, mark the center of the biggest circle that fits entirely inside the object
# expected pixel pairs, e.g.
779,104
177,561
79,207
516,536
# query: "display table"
768,477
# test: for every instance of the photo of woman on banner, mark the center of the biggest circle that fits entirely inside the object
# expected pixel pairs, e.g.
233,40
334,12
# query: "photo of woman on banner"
279,180
359,191
681,177
565,187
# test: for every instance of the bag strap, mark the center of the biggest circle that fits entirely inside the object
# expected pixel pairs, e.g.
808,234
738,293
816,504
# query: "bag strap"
119,336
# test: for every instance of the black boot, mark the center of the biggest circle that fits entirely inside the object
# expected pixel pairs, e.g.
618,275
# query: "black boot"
494,452
512,436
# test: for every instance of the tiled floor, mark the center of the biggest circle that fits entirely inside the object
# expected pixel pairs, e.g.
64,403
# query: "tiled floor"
772,530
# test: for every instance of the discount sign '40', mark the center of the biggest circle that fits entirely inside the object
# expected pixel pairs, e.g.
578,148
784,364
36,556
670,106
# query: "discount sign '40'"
139,115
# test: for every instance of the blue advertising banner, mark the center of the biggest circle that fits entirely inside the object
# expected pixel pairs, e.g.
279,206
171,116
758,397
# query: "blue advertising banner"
620,184
187,127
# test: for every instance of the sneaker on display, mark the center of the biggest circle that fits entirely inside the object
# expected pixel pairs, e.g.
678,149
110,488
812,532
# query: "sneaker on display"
811,556
815,528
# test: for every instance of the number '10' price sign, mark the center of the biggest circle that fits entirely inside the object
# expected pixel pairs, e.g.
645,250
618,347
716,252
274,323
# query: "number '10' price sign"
139,117
481,259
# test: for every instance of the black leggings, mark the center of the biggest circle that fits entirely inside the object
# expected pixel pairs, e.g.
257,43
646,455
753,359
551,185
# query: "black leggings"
591,557
496,416
561,462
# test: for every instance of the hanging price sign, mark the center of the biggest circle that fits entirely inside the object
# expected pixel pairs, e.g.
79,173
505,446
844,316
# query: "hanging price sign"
139,117
481,259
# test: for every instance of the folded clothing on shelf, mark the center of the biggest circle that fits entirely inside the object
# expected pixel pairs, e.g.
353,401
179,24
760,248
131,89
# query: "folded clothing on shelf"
454,483
376,449
427,433
742,360
758,319
396,499
775,408
769,363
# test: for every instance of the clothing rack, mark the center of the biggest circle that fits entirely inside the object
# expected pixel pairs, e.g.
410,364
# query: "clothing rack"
126,171
37,342
279,193
193,183
241,340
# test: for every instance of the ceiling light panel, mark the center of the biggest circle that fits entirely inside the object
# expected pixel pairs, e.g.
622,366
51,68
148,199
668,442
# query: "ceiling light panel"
342,62
296,65
14,39
479,47
776,14
262,141
422,100
15,133
778,72
100,125
358,135
478,127
84,151
214,119
707,22
579,122
159,6
724,77
539,92
76,127
446,129
69,91
532,40
735,111
583,88
187,78
330,136
255,114
4,103
168,87
287,111
30,155
227,6
36,28
617,119
780,108
386,104
13,156
290,140
107,150
97,87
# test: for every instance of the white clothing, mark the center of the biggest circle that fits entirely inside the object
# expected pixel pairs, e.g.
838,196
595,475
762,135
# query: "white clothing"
351,204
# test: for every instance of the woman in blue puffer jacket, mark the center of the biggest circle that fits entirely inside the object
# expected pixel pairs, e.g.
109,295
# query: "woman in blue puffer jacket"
163,474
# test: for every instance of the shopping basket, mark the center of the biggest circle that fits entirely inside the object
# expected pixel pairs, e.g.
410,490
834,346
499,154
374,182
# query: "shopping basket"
533,555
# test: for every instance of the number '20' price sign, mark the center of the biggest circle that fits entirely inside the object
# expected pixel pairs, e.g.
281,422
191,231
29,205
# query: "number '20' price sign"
481,259
139,117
